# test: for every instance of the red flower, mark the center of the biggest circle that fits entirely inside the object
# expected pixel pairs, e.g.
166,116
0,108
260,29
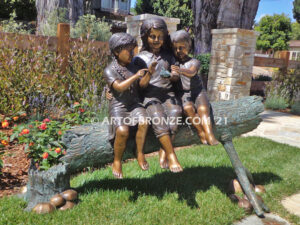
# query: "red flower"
46,120
58,150
43,126
5,124
31,144
45,155
30,126
59,132
15,118
65,152
81,110
25,131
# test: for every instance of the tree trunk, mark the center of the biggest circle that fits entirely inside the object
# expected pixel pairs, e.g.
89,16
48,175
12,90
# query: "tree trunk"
45,7
219,14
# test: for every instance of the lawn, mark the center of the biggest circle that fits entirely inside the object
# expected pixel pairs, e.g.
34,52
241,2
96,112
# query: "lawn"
198,195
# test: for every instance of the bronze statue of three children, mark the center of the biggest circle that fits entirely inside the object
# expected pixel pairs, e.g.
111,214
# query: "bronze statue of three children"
156,85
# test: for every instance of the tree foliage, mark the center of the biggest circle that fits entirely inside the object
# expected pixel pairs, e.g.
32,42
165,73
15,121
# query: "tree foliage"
296,10
295,31
25,9
181,9
144,6
275,32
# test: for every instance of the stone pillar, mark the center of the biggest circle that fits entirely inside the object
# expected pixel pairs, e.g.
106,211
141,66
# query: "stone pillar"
232,59
134,24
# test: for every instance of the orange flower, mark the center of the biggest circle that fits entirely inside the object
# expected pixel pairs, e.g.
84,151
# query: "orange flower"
31,144
15,118
25,131
58,150
45,155
43,126
5,124
59,132
4,142
76,103
24,114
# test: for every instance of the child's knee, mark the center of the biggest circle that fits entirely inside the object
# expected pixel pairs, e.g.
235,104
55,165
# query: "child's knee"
122,131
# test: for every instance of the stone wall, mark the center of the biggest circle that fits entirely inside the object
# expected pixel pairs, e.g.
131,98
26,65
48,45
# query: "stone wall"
134,24
232,59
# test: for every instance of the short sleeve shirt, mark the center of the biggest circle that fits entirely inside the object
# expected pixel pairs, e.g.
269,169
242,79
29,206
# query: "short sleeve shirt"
130,97
187,83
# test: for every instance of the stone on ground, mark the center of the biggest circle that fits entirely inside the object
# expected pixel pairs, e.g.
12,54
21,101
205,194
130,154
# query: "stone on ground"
270,219
292,204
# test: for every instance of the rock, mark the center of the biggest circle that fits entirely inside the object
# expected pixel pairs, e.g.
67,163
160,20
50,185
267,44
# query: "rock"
246,205
69,195
57,200
68,205
260,189
235,187
43,208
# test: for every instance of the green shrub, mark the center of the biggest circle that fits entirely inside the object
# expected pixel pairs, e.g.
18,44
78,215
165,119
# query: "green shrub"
205,60
25,9
296,108
286,85
55,17
89,27
31,80
11,26
276,102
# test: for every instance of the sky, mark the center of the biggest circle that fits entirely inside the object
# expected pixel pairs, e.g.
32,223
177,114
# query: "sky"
268,7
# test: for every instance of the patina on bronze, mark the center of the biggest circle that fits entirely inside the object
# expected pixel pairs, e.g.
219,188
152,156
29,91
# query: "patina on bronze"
159,97
190,88
125,102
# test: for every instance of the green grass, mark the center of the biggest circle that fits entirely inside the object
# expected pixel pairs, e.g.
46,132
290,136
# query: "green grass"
195,196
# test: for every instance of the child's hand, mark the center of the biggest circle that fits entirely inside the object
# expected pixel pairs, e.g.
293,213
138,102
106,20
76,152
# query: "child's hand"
175,69
152,67
142,72
108,95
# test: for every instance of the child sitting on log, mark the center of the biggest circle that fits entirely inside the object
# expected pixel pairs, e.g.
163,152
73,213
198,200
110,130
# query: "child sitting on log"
190,89
125,108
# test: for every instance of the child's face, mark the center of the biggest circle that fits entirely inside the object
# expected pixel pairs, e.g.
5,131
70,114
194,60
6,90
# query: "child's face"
181,49
156,39
125,55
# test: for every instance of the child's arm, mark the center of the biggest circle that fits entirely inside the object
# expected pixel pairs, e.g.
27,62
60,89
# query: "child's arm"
189,72
122,86
146,79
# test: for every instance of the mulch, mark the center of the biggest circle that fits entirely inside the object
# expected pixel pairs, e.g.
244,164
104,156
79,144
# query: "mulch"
15,169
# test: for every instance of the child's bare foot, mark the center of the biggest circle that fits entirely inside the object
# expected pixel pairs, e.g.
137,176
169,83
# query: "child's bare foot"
163,161
211,140
202,137
117,170
142,162
174,165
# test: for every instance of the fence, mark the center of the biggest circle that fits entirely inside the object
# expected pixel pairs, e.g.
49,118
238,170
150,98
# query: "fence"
283,62
62,43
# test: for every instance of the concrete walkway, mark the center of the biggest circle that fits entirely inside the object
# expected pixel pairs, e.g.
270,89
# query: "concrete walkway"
280,127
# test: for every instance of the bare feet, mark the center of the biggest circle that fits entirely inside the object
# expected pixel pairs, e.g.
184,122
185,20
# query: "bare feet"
202,137
163,161
142,162
174,165
117,170
211,140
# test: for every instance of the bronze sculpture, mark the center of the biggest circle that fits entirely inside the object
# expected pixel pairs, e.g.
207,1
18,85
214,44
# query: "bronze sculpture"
125,102
159,97
89,145
190,89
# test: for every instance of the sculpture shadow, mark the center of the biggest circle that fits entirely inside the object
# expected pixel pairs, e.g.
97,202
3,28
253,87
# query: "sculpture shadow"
186,184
